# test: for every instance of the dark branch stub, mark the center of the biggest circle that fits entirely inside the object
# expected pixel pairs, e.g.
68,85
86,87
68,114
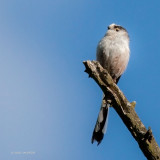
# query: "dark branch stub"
125,110
148,136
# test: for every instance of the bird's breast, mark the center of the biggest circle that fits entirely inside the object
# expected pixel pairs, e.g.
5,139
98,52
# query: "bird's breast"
113,54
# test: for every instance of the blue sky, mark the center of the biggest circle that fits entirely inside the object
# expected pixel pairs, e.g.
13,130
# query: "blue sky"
48,106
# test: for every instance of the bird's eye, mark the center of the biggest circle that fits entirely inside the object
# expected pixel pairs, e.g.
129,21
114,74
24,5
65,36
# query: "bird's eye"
117,29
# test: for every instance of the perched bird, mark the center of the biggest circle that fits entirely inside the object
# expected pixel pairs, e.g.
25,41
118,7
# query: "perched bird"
113,54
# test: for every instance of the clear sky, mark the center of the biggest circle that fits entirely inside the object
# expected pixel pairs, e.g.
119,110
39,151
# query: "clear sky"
48,106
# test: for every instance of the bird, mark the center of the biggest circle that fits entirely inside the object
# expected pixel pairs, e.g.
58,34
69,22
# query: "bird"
113,54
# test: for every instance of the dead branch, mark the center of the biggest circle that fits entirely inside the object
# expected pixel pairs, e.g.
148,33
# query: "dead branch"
125,110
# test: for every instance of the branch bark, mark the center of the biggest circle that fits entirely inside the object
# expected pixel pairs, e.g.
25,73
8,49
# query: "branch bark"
125,110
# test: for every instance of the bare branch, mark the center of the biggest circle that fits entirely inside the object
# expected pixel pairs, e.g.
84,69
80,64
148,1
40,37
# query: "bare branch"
125,110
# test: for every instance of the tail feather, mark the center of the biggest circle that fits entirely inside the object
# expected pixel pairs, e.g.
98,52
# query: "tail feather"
101,124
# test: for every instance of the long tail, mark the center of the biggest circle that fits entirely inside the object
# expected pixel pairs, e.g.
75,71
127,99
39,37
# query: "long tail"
101,124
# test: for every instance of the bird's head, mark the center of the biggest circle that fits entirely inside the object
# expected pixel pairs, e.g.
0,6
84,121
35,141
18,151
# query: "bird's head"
117,30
